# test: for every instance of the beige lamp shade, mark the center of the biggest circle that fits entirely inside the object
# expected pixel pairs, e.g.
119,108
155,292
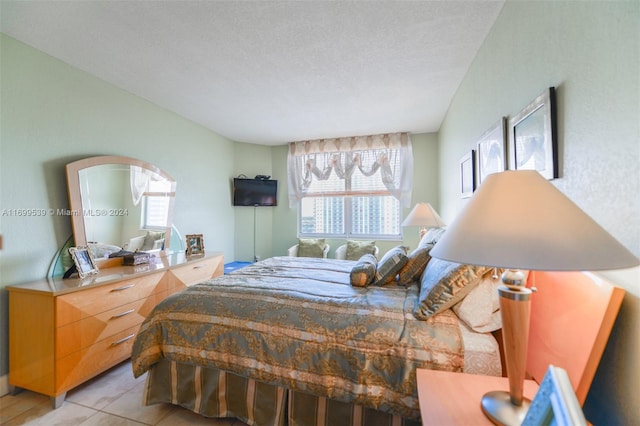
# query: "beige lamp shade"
425,216
519,220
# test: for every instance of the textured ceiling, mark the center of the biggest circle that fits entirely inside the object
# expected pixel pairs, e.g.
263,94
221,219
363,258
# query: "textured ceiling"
270,72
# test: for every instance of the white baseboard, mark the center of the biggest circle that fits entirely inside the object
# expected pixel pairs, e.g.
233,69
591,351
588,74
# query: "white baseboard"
4,385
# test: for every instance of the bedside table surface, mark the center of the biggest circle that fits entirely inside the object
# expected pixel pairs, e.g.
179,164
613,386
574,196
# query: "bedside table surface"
448,398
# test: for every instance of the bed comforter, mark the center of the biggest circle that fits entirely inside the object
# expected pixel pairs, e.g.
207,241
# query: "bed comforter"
299,324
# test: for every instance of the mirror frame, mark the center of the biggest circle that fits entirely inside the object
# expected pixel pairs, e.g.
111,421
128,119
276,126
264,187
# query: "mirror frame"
75,196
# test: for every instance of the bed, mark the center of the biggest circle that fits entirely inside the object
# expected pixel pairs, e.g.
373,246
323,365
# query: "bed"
293,341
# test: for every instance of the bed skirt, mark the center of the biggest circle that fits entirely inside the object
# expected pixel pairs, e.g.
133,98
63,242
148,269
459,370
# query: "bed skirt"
215,393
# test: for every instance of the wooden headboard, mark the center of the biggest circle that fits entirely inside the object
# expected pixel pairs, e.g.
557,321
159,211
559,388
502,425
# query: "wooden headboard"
572,314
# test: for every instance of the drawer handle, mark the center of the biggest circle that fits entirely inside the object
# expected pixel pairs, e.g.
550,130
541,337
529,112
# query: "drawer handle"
124,287
198,267
130,311
124,339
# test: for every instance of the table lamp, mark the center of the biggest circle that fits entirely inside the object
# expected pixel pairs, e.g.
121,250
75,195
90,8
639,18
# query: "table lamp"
519,220
425,216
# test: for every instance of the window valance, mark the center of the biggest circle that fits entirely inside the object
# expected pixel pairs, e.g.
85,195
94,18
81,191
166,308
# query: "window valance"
318,160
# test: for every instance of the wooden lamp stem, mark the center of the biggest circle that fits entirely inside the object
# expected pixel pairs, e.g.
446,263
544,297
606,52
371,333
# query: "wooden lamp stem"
516,310
501,407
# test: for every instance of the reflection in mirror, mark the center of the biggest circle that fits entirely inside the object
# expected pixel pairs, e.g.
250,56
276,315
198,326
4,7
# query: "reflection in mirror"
177,242
120,203
62,261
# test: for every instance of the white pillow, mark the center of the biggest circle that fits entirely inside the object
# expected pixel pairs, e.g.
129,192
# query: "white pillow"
135,243
158,244
99,250
480,309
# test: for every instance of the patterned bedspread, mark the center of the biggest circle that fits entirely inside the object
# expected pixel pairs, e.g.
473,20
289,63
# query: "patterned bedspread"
298,323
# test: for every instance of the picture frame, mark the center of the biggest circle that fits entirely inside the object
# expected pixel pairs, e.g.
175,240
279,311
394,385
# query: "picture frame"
533,136
195,244
491,150
555,402
83,261
467,174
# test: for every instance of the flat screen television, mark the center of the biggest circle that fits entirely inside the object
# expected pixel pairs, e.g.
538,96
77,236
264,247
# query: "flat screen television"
255,192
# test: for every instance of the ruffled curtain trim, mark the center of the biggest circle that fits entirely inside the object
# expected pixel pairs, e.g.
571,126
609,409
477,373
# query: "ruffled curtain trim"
392,154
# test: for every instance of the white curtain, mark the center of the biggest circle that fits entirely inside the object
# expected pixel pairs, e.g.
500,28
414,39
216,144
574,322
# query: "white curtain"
139,183
318,159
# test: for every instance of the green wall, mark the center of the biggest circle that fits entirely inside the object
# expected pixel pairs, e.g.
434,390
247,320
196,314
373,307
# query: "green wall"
253,225
53,114
590,52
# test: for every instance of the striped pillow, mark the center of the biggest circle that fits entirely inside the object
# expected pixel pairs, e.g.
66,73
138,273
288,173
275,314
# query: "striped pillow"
390,265
415,265
364,271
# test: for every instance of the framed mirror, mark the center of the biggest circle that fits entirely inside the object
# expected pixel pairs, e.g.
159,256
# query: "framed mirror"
120,203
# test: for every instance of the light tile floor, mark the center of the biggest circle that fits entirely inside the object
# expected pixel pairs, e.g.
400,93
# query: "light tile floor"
112,399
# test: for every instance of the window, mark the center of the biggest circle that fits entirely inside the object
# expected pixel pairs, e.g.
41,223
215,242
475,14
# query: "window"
155,211
345,192
155,205
372,216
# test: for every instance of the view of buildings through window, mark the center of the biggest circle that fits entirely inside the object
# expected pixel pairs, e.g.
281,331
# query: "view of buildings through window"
350,216
357,205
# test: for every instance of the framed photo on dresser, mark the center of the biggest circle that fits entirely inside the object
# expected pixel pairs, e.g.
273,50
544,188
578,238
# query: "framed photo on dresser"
195,244
83,260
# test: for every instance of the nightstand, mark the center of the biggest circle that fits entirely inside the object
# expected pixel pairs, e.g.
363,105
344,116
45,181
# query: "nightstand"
448,398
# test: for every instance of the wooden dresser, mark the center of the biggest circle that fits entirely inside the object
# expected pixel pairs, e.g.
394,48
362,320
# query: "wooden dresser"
64,332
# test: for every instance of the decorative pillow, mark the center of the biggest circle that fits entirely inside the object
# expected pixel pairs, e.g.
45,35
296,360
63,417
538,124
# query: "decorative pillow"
364,271
99,251
158,244
415,265
431,237
390,265
150,239
357,249
480,309
444,284
311,247
135,243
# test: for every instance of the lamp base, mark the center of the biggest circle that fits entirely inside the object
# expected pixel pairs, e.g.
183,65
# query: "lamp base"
498,407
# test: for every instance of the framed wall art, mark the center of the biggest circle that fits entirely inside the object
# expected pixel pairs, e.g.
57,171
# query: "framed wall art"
491,149
467,174
83,261
195,244
533,137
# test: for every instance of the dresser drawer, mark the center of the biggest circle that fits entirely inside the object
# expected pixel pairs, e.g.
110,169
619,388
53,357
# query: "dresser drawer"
63,332
82,304
198,271
81,365
151,301
81,334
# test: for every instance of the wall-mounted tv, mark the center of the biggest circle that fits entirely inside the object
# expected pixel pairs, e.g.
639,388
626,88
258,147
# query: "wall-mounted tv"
255,192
